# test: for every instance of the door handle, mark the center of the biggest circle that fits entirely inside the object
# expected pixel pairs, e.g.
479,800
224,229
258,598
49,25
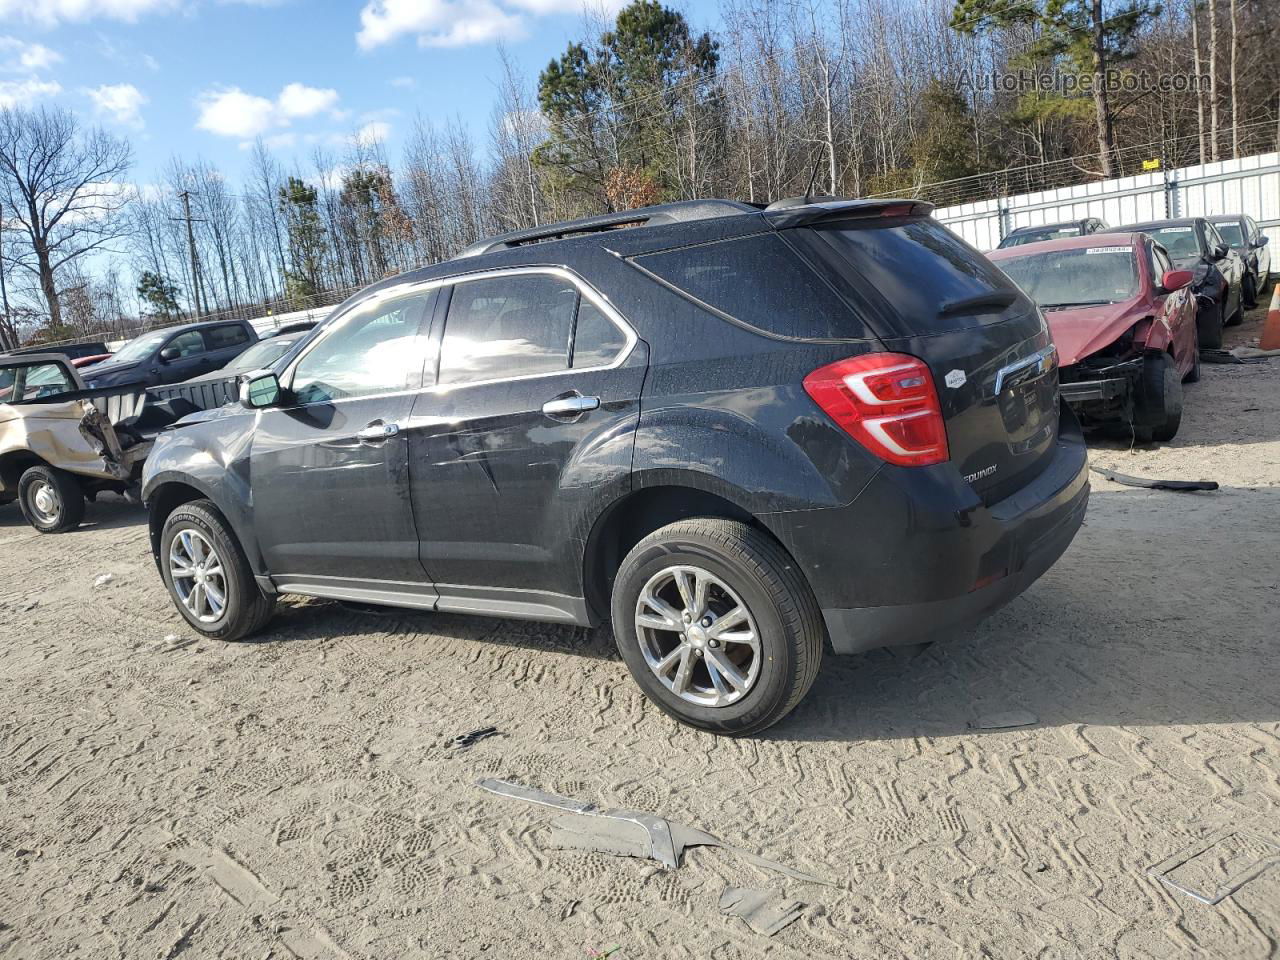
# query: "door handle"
376,432
570,406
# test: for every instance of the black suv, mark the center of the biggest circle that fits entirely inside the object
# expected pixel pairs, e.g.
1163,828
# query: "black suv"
736,432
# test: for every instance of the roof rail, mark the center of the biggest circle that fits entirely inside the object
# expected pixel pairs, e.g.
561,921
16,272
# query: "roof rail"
663,213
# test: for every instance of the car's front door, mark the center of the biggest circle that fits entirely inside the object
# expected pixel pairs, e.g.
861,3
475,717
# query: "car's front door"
1177,309
528,428
329,468
183,357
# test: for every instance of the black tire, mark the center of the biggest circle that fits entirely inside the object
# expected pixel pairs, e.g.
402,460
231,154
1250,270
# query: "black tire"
51,499
246,609
1193,375
1249,292
787,619
1209,325
1158,411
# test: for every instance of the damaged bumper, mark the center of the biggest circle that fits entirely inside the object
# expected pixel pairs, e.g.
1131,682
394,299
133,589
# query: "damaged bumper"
1102,395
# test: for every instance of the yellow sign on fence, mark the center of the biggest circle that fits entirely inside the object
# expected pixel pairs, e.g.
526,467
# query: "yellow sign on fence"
1151,164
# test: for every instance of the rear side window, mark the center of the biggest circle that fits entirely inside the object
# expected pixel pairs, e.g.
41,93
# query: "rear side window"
228,336
922,269
759,281
597,340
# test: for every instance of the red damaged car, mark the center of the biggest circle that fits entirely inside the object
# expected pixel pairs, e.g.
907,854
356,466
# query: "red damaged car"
1124,322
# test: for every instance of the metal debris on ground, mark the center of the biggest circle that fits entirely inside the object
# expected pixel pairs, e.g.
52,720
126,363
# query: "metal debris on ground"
1230,356
628,833
1006,718
1129,481
765,910
464,741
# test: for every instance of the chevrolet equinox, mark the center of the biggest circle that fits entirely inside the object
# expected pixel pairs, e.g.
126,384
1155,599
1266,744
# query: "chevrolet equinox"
738,433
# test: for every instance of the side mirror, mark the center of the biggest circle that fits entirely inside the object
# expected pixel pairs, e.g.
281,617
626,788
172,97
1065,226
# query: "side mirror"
1220,251
259,389
1175,280
169,354
1261,241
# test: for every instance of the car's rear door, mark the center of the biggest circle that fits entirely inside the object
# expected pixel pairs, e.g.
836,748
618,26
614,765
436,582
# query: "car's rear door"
225,342
329,468
529,423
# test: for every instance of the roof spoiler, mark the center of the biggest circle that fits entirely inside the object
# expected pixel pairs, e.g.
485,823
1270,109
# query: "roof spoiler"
796,212
643,217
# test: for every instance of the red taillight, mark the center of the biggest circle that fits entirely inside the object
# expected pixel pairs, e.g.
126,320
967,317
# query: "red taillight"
885,401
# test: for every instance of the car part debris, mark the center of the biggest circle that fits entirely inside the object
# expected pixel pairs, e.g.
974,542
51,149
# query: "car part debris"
1248,354
1232,356
1129,481
1225,846
1007,718
465,740
765,910
628,833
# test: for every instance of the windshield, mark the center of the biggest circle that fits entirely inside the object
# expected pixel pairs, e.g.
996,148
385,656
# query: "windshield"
34,382
1035,236
138,348
1062,278
1180,242
1231,233
262,355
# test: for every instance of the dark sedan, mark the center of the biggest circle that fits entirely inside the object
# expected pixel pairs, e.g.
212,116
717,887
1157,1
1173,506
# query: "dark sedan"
1052,231
1246,239
1217,272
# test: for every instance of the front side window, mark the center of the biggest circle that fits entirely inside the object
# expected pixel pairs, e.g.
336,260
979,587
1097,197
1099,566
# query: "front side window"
187,344
375,350
229,336
34,382
512,326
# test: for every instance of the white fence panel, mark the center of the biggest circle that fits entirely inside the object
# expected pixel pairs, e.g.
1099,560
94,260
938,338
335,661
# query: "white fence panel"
1250,185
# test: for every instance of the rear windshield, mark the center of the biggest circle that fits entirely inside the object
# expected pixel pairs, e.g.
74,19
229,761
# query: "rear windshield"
761,282
1181,242
1231,233
1035,236
1075,278
924,271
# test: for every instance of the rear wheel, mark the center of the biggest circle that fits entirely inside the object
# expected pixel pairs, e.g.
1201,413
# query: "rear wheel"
51,499
1159,410
208,575
717,625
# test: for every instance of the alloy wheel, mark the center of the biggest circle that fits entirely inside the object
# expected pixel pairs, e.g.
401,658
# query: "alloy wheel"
198,576
697,636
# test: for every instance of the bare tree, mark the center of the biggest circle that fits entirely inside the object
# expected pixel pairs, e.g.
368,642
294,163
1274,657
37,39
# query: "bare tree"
63,189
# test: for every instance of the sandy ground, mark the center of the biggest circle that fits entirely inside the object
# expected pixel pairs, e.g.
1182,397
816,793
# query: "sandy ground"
296,797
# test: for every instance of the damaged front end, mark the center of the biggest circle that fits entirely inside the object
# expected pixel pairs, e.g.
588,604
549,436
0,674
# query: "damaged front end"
1105,387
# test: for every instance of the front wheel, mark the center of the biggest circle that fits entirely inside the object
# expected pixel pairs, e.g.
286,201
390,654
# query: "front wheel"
1159,410
717,625
51,499
208,575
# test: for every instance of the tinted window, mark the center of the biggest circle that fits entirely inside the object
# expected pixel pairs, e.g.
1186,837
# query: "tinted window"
229,336
1064,278
1035,236
922,269
187,344
375,350
33,382
501,327
757,280
597,339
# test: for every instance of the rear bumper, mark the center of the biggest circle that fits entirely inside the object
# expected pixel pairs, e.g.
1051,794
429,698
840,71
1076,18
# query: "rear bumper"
949,567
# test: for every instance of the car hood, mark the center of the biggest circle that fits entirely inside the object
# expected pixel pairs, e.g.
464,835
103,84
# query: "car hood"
108,369
1081,331
211,414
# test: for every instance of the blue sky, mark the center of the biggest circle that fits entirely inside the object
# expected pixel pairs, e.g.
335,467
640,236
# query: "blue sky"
202,78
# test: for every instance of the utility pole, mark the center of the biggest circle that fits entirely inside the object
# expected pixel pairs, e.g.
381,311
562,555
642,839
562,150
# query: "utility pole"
197,292
4,296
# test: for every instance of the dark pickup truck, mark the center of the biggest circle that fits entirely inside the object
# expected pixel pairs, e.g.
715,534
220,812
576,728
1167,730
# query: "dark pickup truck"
174,354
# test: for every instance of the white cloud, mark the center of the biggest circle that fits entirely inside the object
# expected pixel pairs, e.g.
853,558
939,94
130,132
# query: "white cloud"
437,23
19,56
299,100
231,112
22,93
376,131
51,12
121,101
404,83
